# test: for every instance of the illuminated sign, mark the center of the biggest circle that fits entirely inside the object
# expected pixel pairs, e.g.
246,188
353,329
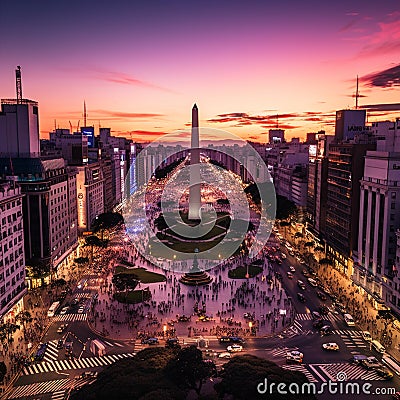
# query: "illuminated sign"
89,132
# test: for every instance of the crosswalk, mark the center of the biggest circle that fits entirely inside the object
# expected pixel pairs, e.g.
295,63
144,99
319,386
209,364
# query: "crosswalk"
58,395
303,369
112,344
51,351
281,351
353,339
349,371
81,363
307,317
70,317
83,295
57,387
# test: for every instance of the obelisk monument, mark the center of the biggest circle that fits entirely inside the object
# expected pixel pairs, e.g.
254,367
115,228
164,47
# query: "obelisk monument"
195,185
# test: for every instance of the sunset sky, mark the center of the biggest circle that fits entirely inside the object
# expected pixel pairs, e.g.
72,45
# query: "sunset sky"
140,66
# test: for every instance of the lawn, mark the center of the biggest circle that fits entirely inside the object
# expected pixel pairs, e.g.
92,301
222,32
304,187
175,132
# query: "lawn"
133,297
142,274
240,272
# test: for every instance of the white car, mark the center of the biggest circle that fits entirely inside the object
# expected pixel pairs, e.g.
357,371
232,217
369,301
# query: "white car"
289,275
64,310
234,348
283,256
330,346
224,354
312,282
292,269
366,336
80,311
294,356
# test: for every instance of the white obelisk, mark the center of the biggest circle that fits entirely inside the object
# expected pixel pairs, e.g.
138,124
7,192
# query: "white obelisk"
195,185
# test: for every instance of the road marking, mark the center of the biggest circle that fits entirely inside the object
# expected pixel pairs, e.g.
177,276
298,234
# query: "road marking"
317,373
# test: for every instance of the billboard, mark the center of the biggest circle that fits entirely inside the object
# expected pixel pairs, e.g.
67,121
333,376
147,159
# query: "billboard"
89,132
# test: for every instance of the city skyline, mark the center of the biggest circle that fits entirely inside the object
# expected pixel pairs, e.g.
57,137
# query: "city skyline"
139,67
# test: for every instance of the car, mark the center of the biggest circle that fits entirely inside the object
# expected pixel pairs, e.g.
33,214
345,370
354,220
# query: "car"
75,301
234,348
325,330
224,354
331,346
366,336
312,282
289,275
64,310
60,344
283,255
301,285
80,310
236,339
318,324
371,363
384,372
305,273
301,297
224,339
62,328
324,310
294,356
151,340
172,343
316,315
321,296
41,351
291,253
292,269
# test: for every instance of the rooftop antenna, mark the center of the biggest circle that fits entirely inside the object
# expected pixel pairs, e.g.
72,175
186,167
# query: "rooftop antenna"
357,94
277,121
70,125
18,82
84,113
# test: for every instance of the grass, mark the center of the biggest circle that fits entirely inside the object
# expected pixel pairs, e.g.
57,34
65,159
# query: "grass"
240,272
134,297
142,274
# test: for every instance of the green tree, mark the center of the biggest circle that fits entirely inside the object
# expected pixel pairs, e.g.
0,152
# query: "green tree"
189,370
105,222
242,375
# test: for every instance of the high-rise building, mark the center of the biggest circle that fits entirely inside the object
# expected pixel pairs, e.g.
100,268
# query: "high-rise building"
349,123
12,262
317,185
345,169
379,217
48,210
90,189
276,136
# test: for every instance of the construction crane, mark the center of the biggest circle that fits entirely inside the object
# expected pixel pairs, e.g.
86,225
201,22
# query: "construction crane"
18,82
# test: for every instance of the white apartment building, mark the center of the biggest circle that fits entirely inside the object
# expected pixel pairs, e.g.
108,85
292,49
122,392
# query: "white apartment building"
12,260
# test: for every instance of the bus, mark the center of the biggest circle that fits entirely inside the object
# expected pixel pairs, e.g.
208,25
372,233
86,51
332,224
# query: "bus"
349,320
53,309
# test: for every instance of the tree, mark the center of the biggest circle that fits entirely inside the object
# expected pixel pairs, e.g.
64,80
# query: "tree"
189,370
124,282
309,245
106,222
284,224
325,261
242,375
284,208
59,283
7,331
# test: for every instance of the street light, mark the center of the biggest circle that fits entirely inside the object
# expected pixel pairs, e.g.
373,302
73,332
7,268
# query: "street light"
250,326
165,329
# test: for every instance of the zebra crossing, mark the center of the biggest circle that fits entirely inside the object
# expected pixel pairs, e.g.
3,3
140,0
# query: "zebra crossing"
81,363
83,295
281,351
51,351
349,372
58,395
352,339
70,317
112,344
303,369
57,387
308,317
293,330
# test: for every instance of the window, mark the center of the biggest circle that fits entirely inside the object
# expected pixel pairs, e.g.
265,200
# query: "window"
393,195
